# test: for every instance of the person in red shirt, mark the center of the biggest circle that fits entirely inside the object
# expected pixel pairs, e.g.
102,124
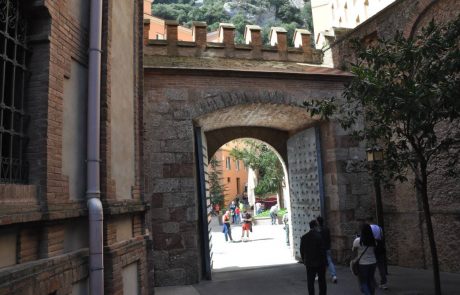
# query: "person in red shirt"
247,222
237,215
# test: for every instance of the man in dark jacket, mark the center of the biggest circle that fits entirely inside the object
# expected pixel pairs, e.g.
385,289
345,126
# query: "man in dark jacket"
313,252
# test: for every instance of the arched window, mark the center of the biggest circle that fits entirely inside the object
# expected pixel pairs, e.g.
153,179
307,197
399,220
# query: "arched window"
13,50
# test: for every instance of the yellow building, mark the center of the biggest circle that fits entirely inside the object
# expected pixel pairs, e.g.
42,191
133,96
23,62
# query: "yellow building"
330,16
234,173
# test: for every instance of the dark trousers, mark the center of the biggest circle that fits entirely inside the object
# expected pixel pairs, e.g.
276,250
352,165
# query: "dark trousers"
381,267
311,274
366,278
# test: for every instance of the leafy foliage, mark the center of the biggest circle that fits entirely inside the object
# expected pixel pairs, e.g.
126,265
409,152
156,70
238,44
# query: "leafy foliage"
238,12
260,157
186,11
406,93
216,189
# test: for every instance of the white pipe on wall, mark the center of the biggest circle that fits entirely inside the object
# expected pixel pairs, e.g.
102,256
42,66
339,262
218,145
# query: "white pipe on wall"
95,212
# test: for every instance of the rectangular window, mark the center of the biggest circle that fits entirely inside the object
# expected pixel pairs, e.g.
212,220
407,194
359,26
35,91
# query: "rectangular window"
13,51
227,163
237,162
238,191
228,179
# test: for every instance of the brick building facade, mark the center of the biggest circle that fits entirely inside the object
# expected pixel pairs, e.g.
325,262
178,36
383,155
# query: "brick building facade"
233,173
404,220
43,212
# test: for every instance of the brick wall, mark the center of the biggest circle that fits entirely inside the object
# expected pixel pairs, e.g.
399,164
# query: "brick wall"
254,49
45,276
41,211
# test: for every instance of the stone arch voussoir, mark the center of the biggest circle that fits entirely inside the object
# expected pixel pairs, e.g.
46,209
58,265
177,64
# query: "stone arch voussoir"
213,102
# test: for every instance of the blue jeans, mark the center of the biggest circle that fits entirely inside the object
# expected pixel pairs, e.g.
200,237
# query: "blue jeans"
366,278
227,231
286,229
330,264
274,217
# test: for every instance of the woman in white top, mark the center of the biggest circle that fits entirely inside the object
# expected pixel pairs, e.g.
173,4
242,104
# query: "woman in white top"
365,245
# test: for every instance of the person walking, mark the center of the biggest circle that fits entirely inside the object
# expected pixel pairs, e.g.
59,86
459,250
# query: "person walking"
226,229
242,207
232,211
258,208
246,227
237,215
326,234
274,213
313,253
365,245
286,226
380,253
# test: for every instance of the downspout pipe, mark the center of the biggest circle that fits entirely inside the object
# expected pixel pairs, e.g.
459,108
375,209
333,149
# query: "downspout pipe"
93,192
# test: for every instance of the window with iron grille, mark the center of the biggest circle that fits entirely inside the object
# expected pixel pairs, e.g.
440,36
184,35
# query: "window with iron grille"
13,51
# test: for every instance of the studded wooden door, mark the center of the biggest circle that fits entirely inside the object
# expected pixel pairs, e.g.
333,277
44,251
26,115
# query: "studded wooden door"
305,182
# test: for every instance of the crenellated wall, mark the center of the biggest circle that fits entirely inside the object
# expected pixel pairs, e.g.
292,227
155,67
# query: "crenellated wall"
278,49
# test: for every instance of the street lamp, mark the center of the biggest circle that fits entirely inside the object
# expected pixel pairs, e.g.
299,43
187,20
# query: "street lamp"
375,157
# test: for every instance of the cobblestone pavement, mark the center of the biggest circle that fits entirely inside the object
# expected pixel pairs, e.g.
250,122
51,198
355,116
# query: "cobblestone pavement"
264,265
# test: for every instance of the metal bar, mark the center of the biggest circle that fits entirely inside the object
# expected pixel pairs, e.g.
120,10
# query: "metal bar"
13,93
379,209
319,161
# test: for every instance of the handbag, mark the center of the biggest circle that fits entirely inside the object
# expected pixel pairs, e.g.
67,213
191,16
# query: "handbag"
354,263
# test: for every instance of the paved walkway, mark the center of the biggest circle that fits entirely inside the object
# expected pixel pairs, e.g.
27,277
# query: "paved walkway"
245,268
257,251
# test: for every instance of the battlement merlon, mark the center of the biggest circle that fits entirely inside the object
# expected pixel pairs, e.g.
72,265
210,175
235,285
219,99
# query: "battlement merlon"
278,49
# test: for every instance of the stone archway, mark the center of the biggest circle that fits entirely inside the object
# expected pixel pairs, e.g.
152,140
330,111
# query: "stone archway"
226,105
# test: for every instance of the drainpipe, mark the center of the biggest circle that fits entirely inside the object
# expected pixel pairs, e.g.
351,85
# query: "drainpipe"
93,192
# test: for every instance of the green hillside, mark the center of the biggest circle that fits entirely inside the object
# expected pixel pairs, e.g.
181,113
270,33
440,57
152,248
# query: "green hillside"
265,13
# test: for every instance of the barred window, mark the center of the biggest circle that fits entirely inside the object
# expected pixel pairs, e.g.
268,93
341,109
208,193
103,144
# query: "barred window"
13,50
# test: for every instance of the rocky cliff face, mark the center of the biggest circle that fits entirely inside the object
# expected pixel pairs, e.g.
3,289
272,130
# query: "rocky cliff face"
256,14
298,3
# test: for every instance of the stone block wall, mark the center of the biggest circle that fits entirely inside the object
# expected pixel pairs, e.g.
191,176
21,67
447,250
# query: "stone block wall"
230,105
404,221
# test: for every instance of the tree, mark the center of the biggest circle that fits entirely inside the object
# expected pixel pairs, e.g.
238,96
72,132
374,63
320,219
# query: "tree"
240,24
240,13
264,162
407,92
307,17
216,189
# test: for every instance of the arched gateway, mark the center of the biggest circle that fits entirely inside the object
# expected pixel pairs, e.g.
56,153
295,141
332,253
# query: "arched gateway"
198,96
